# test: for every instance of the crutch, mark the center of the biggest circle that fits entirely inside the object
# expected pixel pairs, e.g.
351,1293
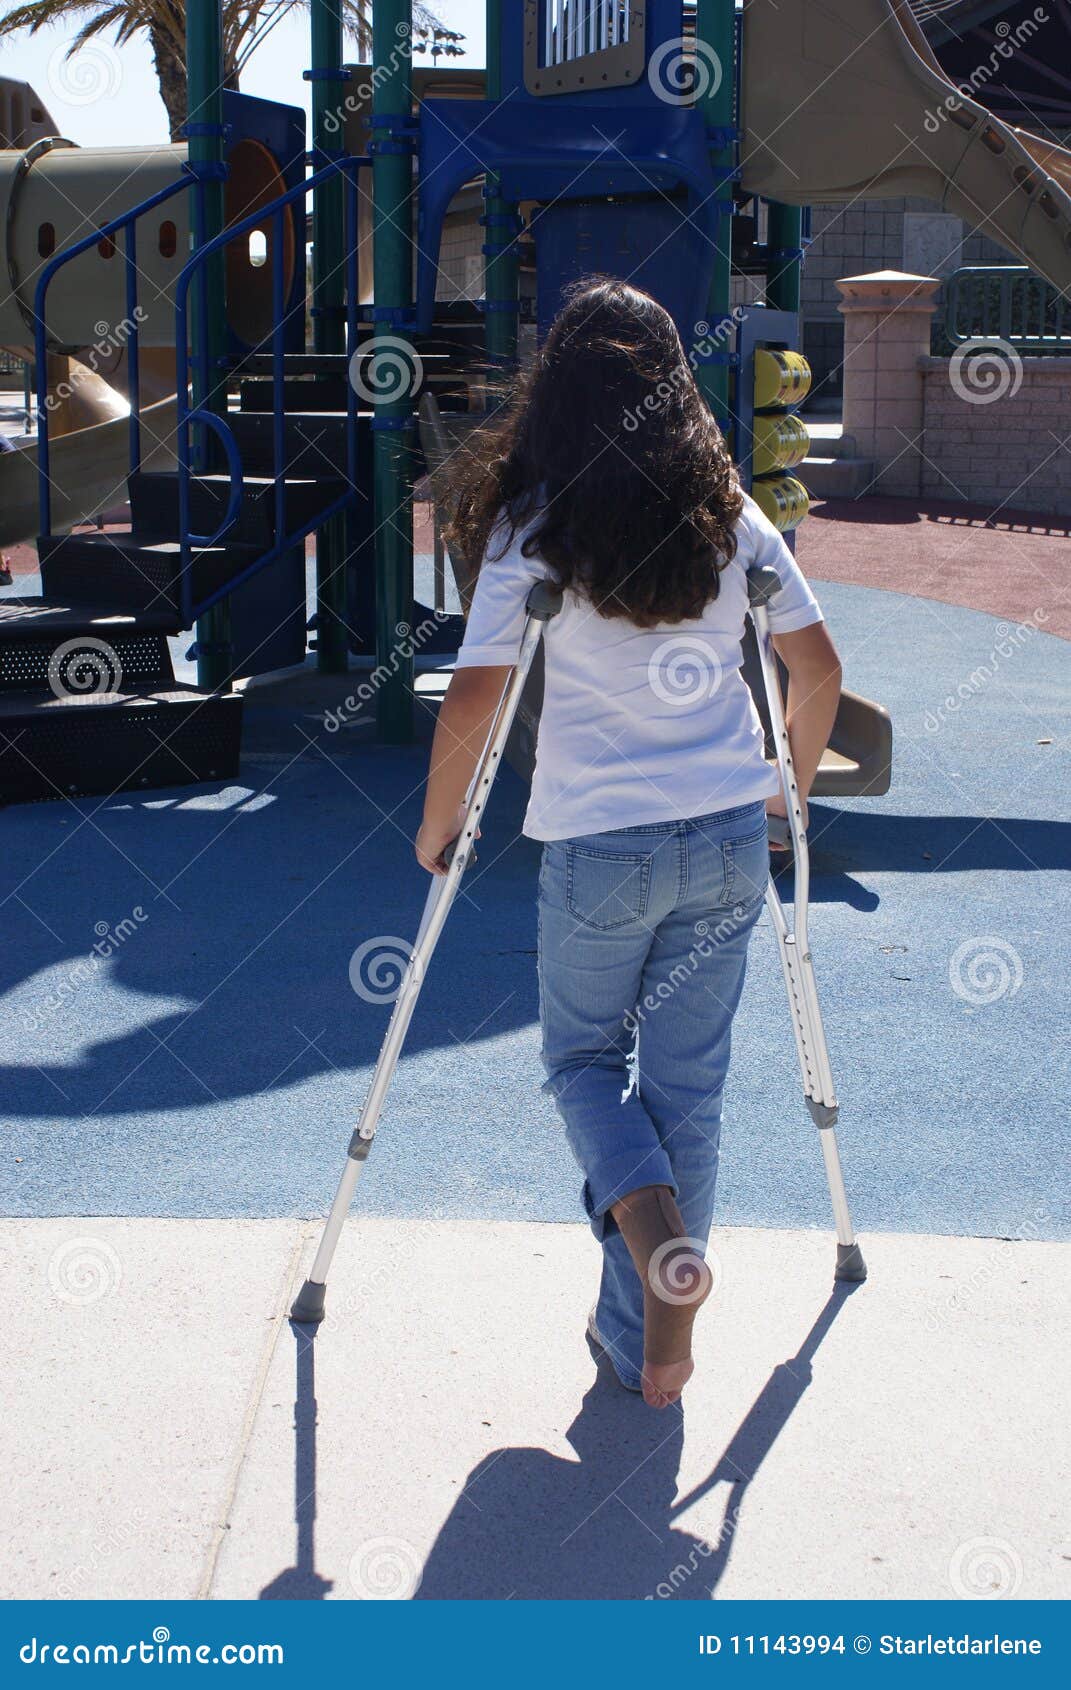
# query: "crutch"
544,603
792,942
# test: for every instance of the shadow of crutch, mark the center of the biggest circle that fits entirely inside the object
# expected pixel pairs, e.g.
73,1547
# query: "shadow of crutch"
759,1430
301,1582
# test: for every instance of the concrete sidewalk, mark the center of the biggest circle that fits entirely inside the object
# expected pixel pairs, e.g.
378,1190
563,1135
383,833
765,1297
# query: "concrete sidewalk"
168,1434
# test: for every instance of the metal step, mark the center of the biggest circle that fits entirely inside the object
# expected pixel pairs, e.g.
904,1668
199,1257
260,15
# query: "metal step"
314,442
134,572
110,742
72,648
154,504
299,395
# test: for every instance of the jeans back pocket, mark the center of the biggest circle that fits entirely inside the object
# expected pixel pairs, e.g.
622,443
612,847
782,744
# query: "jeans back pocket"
606,889
747,868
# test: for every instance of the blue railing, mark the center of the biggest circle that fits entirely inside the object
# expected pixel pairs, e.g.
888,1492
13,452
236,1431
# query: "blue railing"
1007,302
201,416
126,224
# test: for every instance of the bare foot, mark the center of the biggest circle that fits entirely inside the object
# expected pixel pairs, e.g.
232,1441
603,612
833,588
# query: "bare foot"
676,1283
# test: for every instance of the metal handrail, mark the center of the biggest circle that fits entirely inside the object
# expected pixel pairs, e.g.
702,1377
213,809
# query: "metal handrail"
349,165
1007,302
125,222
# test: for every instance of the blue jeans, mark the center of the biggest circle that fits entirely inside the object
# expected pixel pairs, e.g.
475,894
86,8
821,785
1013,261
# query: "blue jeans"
643,937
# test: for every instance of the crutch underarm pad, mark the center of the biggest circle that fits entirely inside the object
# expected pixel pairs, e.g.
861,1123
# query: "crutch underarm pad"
762,584
544,600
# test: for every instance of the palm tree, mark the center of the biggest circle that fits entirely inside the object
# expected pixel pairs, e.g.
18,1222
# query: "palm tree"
245,25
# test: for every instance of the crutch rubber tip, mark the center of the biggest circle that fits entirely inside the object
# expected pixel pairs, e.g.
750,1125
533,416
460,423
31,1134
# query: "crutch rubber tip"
308,1306
850,1263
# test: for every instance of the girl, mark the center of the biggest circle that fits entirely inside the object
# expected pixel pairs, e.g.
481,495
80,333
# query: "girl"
608,474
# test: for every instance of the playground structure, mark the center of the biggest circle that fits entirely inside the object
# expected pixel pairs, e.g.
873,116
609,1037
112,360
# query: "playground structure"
671,143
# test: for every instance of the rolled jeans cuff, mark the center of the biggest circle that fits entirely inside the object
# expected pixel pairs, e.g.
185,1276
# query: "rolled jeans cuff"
615,1176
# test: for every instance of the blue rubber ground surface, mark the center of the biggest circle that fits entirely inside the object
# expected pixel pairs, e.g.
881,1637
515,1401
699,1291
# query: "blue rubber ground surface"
214,1063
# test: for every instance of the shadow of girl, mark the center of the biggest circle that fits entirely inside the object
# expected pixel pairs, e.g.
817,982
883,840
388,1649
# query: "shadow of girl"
531,1525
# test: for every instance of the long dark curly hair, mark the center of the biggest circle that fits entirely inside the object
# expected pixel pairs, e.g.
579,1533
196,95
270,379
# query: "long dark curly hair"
607,447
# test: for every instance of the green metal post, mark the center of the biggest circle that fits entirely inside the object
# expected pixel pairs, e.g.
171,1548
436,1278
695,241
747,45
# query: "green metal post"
204,110
392,189
783,242
328,293
715,28
501,266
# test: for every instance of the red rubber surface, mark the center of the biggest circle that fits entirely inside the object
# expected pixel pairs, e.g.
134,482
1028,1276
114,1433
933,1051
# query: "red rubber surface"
1011,566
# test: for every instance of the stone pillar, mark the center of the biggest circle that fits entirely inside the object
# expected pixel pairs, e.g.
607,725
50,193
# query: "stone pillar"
887,319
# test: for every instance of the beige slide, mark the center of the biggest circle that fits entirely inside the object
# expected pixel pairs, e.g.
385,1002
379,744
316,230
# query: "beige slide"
844,100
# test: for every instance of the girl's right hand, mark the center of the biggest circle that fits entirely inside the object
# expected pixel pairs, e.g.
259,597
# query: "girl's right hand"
776,807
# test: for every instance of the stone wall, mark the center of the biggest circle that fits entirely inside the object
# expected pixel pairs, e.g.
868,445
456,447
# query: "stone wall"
997,433
912,235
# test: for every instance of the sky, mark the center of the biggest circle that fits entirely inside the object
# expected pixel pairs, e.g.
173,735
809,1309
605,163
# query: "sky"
107,96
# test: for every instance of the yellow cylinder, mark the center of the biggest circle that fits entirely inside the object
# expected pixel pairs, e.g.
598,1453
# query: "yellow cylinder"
780,442
783,499
781,378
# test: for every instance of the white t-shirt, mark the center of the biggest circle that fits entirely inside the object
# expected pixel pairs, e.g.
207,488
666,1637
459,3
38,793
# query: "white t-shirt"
639,725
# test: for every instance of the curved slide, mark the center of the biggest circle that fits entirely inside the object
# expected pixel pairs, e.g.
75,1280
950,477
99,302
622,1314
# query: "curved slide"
88,470
845,99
